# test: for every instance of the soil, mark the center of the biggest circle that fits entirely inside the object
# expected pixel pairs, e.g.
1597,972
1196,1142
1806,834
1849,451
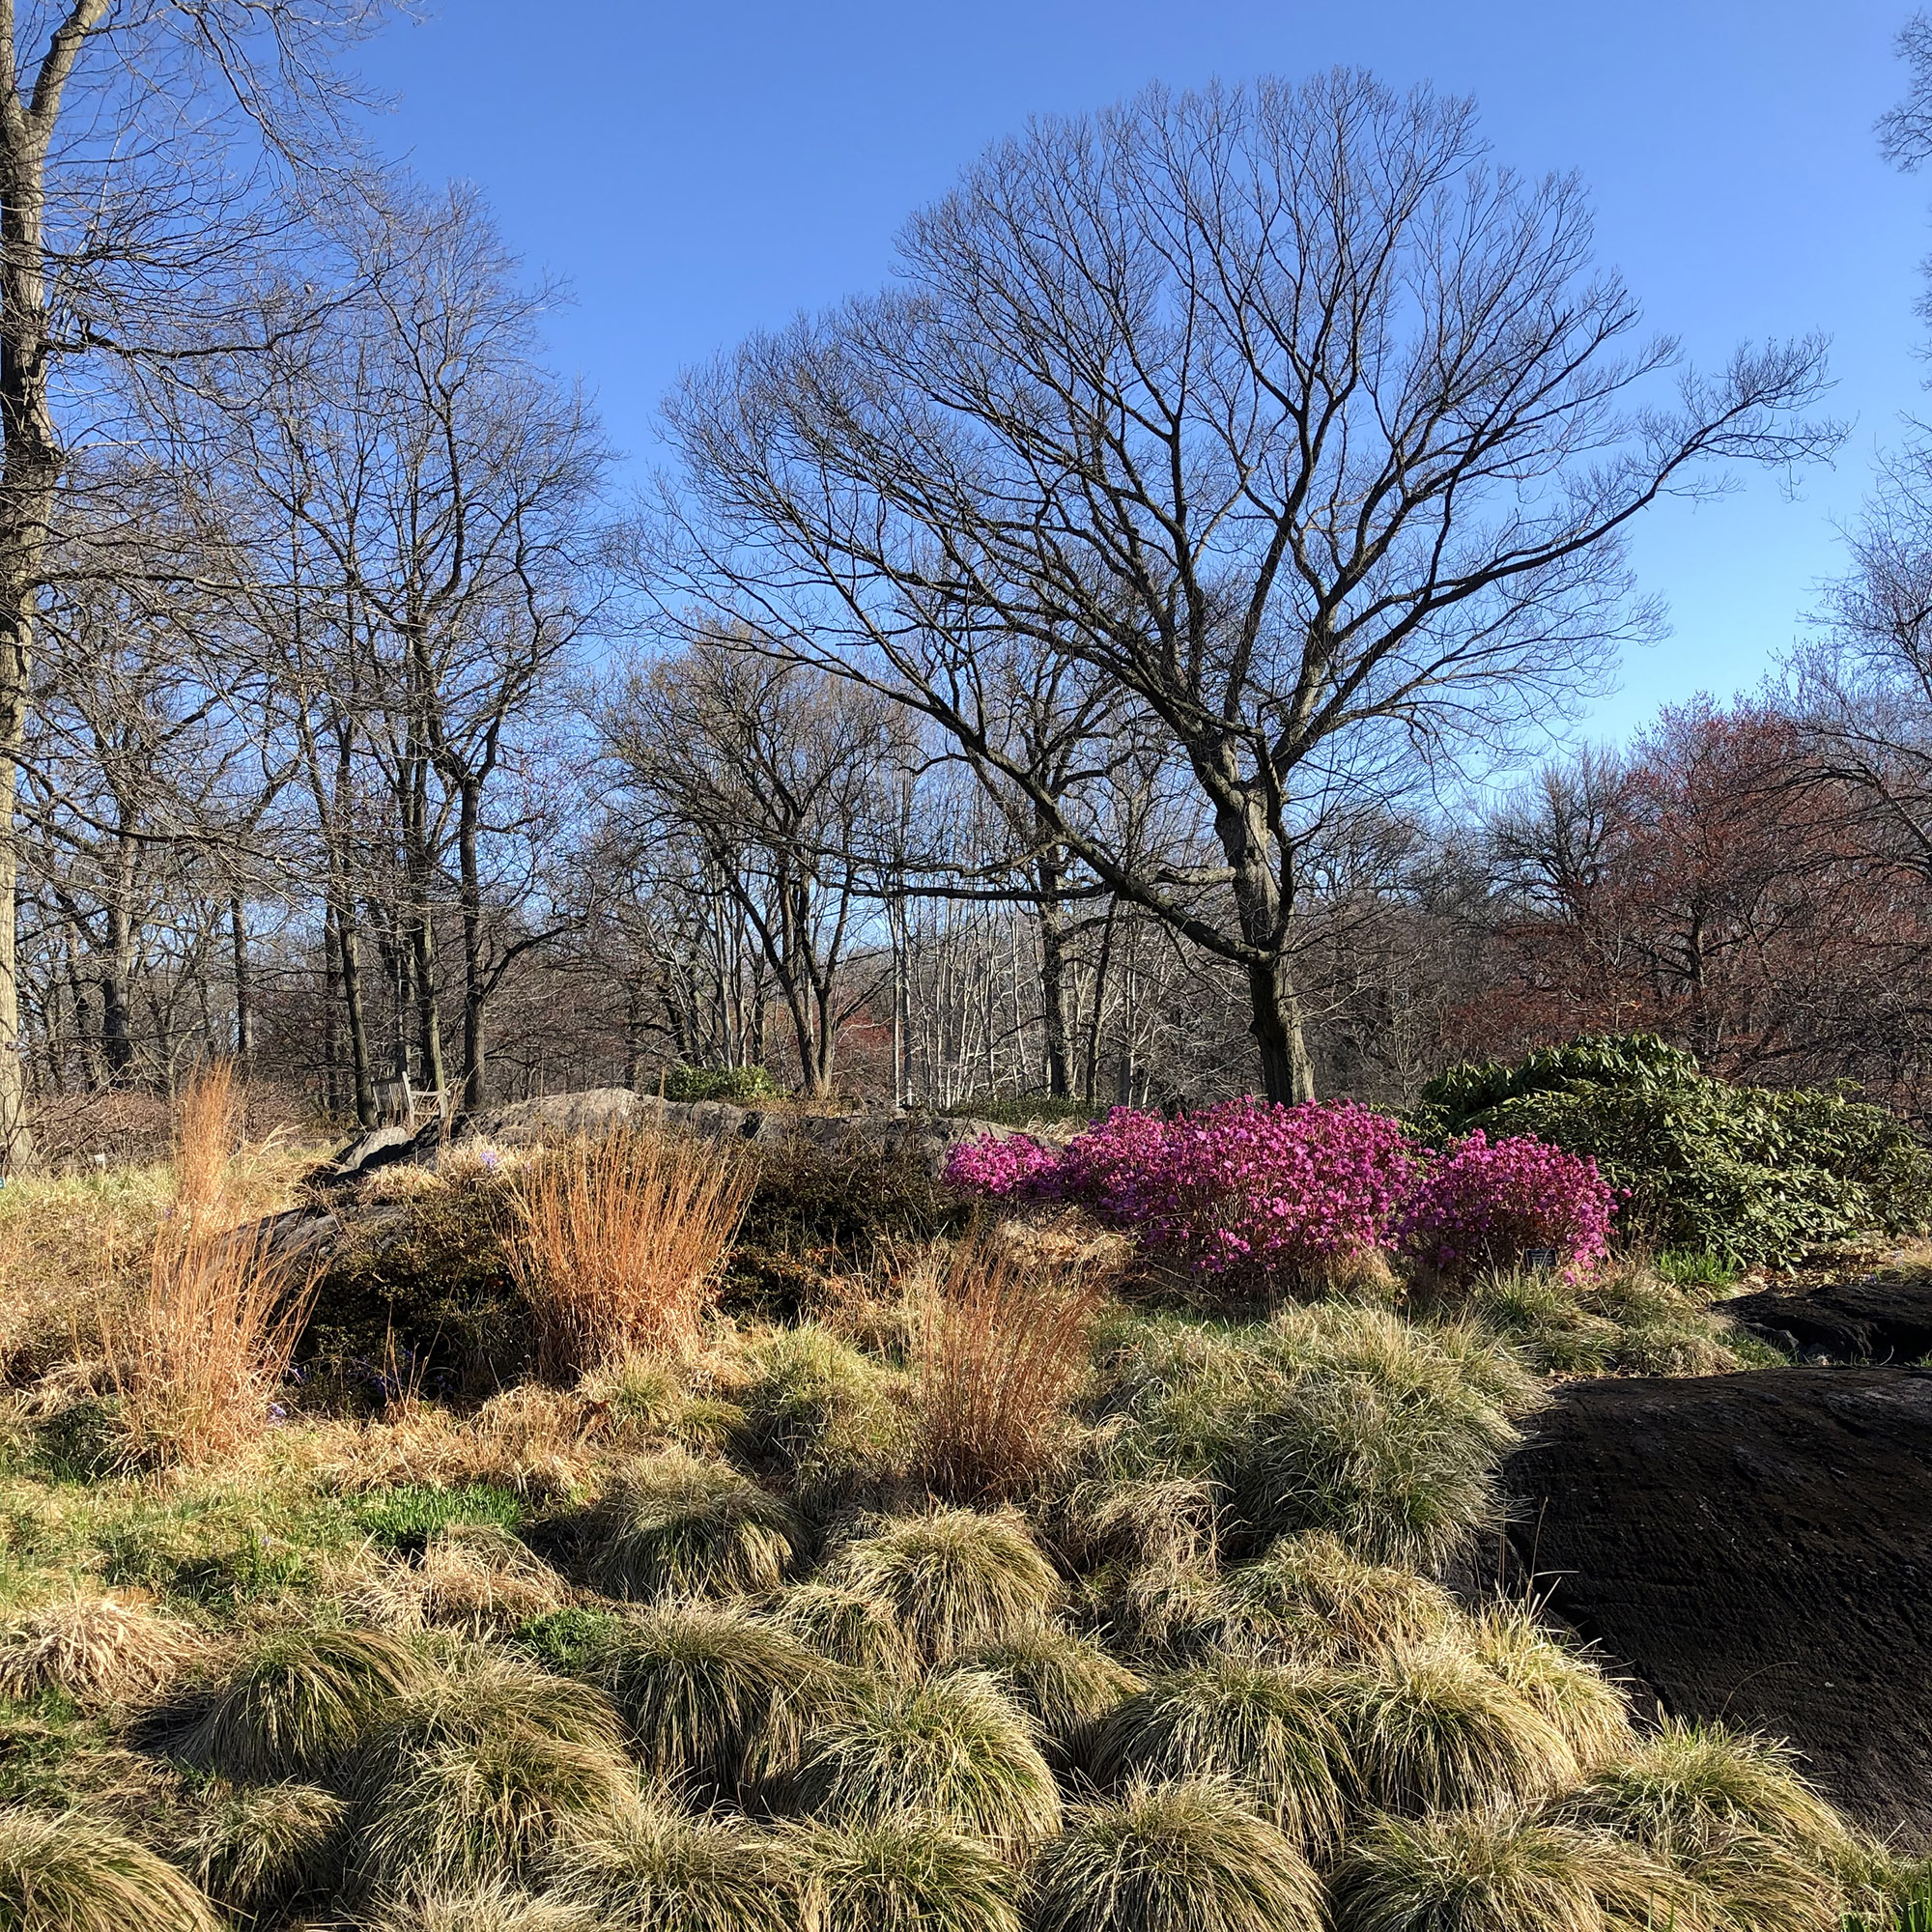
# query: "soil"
1872,1318
1756,1547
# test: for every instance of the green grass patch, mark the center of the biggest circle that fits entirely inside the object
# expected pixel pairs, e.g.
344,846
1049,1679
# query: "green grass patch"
414,1511
568,1642
1691,1267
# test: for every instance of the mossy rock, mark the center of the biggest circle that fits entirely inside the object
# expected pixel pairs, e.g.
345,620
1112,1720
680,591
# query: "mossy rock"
423,1301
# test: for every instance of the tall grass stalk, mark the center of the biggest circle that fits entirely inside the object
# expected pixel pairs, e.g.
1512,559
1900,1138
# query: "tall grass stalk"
618,1245
1003,1344
198,1357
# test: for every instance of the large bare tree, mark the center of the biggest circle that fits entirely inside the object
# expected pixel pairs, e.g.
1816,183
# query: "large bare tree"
142,145
1281,410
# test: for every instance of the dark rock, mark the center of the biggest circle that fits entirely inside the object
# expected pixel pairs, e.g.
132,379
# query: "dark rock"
1851,1322
1755,1548
311,1239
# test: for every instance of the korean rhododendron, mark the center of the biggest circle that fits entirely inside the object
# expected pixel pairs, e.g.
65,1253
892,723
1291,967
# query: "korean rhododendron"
1250,1189
1244,1186
1485,1203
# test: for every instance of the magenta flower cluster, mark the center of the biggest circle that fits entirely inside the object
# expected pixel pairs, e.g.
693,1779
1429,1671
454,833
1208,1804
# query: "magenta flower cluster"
1485,1203
1241,1186
1007,1167
1246,1187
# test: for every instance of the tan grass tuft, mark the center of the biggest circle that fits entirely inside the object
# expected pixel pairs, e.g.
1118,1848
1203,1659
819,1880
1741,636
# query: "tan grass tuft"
96,1650
475,1579
620,1244
198,1357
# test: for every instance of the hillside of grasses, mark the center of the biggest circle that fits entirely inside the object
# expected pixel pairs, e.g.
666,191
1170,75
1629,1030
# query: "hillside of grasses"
661,1536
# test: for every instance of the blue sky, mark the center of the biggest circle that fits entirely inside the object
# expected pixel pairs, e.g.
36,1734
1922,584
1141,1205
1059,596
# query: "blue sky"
696,171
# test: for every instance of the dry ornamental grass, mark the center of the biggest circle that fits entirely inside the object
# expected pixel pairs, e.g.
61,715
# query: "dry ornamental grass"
1004,1344
619,1244
198,1357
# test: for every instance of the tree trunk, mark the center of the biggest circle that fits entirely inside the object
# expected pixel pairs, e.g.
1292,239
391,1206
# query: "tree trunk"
1096,1015
474,1073
117,974
29,472
633,1027
331,1045
1053,977
244,985
423,948
349,954
1288,1076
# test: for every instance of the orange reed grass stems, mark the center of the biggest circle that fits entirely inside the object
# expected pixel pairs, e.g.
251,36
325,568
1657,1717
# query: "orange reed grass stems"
198,1357
1001,1349
620,1244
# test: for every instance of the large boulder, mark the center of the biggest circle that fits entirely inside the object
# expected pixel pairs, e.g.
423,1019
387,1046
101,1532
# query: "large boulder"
1755,1548
1874,1319
602,1109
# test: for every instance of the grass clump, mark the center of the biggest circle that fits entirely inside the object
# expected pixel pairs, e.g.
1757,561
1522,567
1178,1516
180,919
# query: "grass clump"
483,1808
954,1579
480,1770
655,1871
1271,1735
851,1627
618,1245
1430,1729
822,1414
1499,1870
198,1357
485,1692
482,1580
70,1873
1065,1683
411,1513
900,1878
1693,1781
1004,1342
1742,1881
1308,1600
262,1849
1590,1712
1184,1857
1386,1434
673,1524
297,1702
569,1640
489,1906
714,1701
92,1649
951,1753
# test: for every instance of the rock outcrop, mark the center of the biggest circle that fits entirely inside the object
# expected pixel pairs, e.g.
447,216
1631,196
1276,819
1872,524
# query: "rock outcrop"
1869,1321
1755,1548
600,1110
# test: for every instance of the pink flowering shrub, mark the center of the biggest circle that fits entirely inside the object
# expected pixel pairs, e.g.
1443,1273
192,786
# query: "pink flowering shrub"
1482,1202
1005,1166
1242,1189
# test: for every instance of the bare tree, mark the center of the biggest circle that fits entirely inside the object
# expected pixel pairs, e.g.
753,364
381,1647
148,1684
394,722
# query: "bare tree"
414,500
128,199
1280,410
782,777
